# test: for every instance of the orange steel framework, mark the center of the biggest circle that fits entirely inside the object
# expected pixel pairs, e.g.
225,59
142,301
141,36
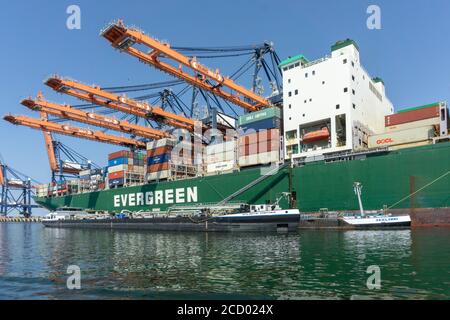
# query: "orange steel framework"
2,179
124,38
48,138
67,112
74,131
101,97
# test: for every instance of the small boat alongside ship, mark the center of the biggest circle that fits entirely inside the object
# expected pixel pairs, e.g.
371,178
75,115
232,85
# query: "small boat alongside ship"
379,220
349,220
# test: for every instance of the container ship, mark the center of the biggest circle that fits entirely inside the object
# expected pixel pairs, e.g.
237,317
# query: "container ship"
331,125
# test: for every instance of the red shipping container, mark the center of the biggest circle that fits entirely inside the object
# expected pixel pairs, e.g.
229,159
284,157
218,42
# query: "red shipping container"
159,151
263,135
116,175
158,167
413,115
120,154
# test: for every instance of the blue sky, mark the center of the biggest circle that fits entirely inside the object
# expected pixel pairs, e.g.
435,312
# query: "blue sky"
410,52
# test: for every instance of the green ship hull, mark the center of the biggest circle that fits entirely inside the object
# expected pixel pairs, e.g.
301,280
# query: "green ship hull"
386,179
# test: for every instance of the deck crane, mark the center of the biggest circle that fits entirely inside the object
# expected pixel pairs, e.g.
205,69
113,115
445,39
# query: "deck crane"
74,131
124,38
67,112
96,95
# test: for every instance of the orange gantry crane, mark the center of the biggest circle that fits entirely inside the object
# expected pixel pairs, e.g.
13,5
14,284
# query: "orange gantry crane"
67,112
124,38
98,136
49,145
96,95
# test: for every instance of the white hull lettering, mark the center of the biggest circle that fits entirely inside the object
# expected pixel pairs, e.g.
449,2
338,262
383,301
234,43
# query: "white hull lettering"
158,197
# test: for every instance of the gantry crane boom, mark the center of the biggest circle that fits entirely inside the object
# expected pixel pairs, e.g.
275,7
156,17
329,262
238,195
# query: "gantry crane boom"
74,131
124,38
101,97
67,112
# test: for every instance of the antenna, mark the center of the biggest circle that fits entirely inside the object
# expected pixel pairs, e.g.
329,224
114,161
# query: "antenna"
357,186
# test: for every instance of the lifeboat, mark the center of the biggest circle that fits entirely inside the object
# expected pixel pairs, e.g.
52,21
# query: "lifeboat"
318,135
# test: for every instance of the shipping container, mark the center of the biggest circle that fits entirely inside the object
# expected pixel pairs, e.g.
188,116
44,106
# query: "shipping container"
117,161
116,182
158,159
120,154
259,158
271,123
219,157
401,137
159,151
220,166
116,175
414,124
259,115
412,115
161,143
122,167
261,147
221,147
259,135
158,167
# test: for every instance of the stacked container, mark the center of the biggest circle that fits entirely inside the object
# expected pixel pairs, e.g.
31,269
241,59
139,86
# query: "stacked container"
169,158
158,156
221,157
259,140
125,168
262,147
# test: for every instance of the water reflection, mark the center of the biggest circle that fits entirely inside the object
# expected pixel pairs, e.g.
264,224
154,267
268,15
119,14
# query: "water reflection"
304,265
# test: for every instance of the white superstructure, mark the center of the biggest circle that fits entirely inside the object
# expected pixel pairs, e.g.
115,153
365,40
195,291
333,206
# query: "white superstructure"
335,96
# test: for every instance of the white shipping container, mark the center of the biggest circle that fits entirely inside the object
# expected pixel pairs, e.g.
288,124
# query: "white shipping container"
220,166
158,175
221,147
219,157
414,124
161,143
120,167
401,137
250,160
260,158
268,157
138,169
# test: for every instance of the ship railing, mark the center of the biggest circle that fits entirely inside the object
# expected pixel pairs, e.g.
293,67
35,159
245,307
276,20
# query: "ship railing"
311,63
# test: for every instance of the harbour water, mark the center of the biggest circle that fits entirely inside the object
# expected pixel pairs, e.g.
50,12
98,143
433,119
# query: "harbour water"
414,264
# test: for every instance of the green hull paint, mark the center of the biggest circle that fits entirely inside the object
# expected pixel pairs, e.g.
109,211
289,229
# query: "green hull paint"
386,179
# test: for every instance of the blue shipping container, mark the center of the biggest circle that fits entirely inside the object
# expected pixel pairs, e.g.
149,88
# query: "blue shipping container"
118,161
116,182
158,159
270,123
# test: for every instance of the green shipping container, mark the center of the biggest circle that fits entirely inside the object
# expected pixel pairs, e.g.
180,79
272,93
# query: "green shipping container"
259,115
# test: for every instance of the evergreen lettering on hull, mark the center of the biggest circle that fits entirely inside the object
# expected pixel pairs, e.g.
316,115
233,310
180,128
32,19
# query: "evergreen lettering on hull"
157,197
